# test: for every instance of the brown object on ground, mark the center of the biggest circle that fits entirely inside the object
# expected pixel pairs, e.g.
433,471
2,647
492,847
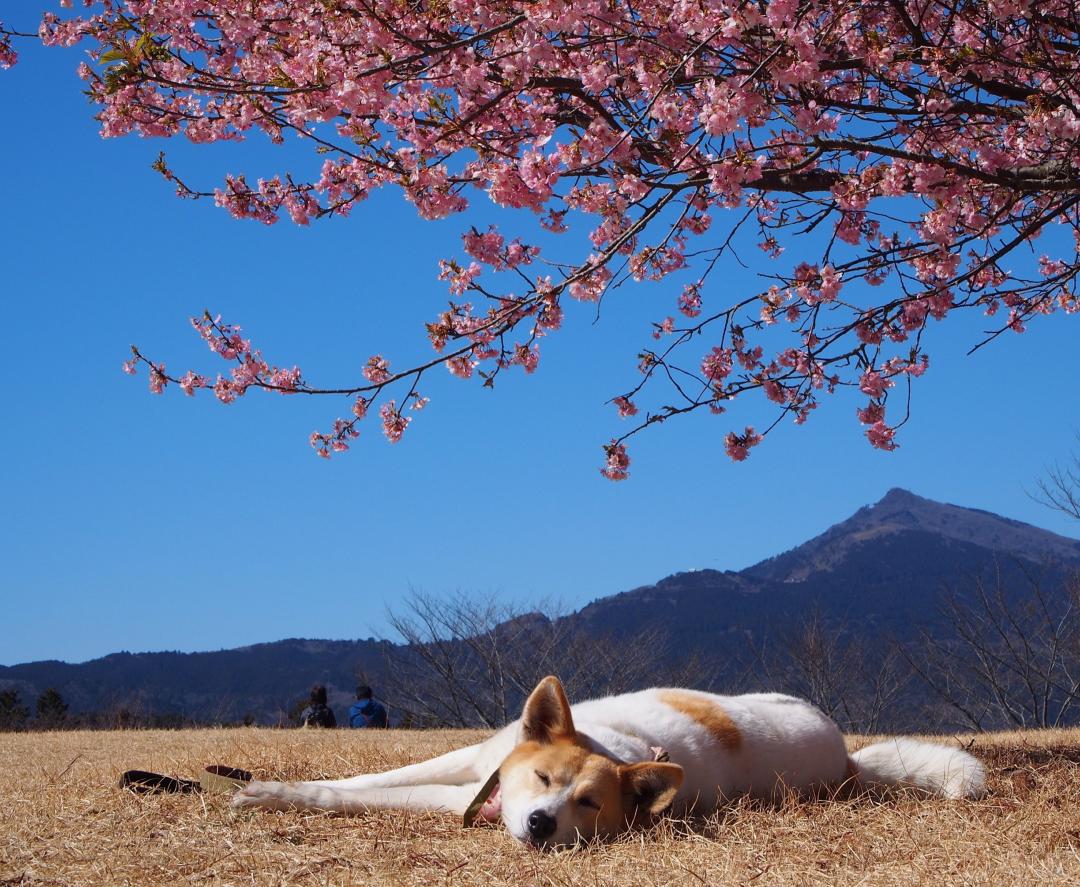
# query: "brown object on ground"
147,783
223,779
63,821
215,778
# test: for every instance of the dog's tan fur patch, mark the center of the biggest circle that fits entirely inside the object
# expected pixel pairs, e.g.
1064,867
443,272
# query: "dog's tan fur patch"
711,716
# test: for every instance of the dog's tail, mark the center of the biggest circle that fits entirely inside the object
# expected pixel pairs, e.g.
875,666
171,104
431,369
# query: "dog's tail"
933,770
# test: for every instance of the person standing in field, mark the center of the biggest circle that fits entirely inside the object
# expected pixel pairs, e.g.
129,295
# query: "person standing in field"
318,713
366,712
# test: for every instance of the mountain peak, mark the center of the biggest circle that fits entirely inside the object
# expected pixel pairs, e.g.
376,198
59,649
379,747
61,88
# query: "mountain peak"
900,511
902,506
898,496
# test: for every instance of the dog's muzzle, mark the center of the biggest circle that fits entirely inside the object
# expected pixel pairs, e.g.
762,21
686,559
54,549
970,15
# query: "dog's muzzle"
541,826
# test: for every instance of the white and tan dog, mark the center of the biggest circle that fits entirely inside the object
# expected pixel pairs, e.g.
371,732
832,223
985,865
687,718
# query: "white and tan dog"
567,775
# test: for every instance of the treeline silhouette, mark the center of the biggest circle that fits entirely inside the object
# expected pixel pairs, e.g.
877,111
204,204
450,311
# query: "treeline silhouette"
50,712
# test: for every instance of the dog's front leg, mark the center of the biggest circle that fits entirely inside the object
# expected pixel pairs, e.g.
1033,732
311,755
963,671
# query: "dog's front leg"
326,796
474,763
448,782
454,768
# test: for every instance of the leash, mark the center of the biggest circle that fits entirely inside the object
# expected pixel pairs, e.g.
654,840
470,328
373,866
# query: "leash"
489,792
216,779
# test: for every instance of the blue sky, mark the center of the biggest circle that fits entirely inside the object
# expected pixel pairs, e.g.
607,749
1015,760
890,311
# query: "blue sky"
142,523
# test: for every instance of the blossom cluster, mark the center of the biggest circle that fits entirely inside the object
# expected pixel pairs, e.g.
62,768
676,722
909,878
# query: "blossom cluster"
8,55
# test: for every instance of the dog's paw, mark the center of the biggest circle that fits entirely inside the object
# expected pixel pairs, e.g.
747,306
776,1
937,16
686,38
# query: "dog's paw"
268,795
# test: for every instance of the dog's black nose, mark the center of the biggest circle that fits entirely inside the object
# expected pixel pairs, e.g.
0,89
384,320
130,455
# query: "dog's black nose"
541,825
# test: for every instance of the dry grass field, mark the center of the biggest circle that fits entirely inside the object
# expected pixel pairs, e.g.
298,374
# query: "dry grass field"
64,821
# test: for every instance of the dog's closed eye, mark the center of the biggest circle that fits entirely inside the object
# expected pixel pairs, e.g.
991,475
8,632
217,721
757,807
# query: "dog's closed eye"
543,777
587,802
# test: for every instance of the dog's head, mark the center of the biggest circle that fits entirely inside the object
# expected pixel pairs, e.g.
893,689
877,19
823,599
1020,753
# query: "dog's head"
555,790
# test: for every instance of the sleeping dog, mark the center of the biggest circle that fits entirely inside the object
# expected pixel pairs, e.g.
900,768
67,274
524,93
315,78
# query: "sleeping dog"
567,774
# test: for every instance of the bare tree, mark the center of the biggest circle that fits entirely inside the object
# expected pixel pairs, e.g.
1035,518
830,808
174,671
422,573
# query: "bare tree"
1060,488
1012,657
470,661
859,684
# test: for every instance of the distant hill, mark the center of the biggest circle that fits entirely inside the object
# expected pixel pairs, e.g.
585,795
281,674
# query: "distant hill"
263,681
880,572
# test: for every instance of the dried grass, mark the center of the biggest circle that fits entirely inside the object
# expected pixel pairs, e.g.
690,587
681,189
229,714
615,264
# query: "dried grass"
64,821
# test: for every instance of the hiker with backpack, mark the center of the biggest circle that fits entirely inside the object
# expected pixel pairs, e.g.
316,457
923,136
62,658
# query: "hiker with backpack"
318,713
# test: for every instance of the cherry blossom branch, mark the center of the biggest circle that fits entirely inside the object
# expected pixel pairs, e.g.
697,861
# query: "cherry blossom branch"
893,144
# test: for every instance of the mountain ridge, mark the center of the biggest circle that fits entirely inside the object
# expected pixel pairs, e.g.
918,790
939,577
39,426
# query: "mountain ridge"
881,571
900,510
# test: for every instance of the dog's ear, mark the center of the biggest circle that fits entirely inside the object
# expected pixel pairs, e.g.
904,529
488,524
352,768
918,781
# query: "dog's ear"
649,787
547,713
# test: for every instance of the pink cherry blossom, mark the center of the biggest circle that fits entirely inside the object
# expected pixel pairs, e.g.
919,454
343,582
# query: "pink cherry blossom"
664,328
881,435
226,390
738,446
874,384
8,55
690,300
393,423
461,366
377,369
617,465
158,379
717,364
191,381
527,357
